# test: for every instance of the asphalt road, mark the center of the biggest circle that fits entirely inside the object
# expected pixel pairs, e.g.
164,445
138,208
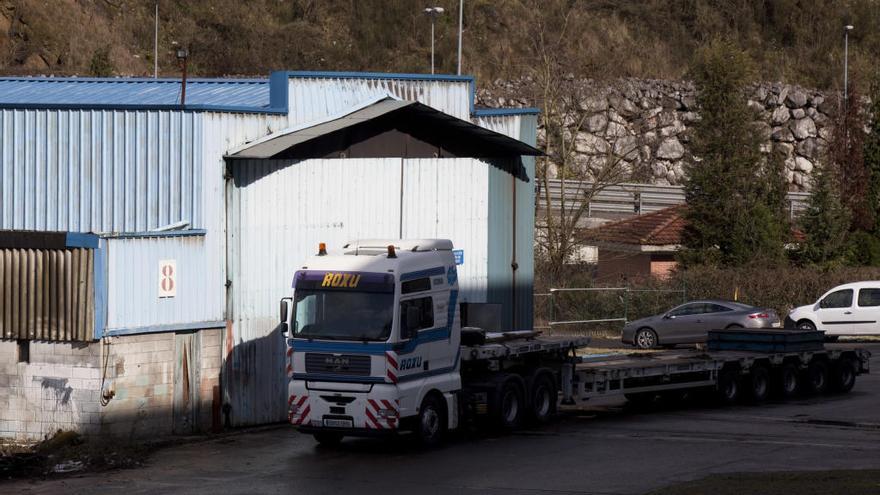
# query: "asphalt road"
603,449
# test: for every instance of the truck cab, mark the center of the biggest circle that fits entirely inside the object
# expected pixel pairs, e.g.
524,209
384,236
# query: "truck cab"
373,336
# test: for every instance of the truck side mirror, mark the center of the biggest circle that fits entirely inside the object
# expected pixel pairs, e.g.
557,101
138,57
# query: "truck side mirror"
284,313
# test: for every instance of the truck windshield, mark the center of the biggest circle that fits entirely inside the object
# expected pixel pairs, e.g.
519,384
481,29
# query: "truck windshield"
337,315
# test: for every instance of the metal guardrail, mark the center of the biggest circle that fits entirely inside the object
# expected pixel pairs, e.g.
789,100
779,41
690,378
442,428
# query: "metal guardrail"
627,291
634,199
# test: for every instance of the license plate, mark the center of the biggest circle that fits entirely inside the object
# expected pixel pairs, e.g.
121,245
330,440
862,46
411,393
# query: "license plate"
338,423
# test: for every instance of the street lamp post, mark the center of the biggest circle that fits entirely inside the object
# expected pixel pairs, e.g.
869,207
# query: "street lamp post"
433,13
846,30
460,19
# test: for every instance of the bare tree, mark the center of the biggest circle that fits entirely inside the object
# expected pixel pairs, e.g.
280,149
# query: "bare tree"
559,86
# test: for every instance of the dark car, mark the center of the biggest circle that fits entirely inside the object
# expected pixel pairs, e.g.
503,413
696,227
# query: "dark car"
690,323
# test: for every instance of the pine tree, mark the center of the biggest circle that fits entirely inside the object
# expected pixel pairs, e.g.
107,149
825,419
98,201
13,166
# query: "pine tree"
735,195
871,156
846,156
825,223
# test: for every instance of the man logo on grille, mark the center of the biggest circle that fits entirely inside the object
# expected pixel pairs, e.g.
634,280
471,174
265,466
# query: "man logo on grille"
336,363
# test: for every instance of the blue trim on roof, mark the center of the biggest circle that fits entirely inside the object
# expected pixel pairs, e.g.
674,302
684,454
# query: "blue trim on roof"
81,240
118,80
164,233
225,95
492,112
112,106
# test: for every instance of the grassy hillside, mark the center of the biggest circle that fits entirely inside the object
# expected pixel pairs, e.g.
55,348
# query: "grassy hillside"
797,41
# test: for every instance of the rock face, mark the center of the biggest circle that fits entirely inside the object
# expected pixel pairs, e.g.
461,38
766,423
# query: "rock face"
647,124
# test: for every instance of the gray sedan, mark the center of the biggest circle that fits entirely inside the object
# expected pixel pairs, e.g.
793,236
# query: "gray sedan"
690,323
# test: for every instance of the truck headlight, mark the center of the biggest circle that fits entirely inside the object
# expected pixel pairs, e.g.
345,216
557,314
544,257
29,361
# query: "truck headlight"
387,413
294,409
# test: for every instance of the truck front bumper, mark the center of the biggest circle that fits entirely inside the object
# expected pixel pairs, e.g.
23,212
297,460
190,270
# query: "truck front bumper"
318,407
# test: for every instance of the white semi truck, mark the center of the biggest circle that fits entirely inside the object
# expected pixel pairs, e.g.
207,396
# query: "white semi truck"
376,345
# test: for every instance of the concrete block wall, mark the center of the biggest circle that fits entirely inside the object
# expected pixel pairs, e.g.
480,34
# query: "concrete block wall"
57,389
140,372
209,379
60,387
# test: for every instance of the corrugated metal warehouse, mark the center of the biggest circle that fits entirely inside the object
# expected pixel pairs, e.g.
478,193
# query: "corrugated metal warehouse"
144,245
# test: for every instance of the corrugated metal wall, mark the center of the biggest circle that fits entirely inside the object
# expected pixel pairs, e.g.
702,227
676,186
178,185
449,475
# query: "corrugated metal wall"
502,279
314,98
133,283
47,294
278,213
446,198
98,170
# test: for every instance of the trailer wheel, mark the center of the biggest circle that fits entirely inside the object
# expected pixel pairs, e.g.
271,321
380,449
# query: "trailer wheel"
787,381
728,386
542,396
508,404
431,427
817,378
328,438
645,338
759,384
843,375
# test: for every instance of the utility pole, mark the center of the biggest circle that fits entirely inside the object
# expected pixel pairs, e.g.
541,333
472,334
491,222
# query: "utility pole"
460,18
156,45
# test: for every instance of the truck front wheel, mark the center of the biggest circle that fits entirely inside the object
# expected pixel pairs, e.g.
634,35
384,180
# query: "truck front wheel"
431,428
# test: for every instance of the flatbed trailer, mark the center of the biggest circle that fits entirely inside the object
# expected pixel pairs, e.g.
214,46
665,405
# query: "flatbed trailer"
732,374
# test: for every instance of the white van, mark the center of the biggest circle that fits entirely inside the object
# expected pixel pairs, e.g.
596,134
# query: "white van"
848,309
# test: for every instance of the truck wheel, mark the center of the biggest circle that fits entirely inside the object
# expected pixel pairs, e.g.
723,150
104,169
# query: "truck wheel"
508,403
787,381
542,396
728,386
816,378
328,438
431,428
646,338
759,384
843,375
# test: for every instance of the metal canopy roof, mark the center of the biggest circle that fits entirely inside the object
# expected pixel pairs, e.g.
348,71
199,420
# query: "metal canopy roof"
493,144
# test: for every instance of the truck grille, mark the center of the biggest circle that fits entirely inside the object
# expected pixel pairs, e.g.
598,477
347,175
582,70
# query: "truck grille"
338,364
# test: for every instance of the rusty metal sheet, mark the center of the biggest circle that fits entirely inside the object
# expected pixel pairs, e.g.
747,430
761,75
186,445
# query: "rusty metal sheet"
47,294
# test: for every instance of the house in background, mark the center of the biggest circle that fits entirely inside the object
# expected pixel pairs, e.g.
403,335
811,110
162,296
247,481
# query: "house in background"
638,247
